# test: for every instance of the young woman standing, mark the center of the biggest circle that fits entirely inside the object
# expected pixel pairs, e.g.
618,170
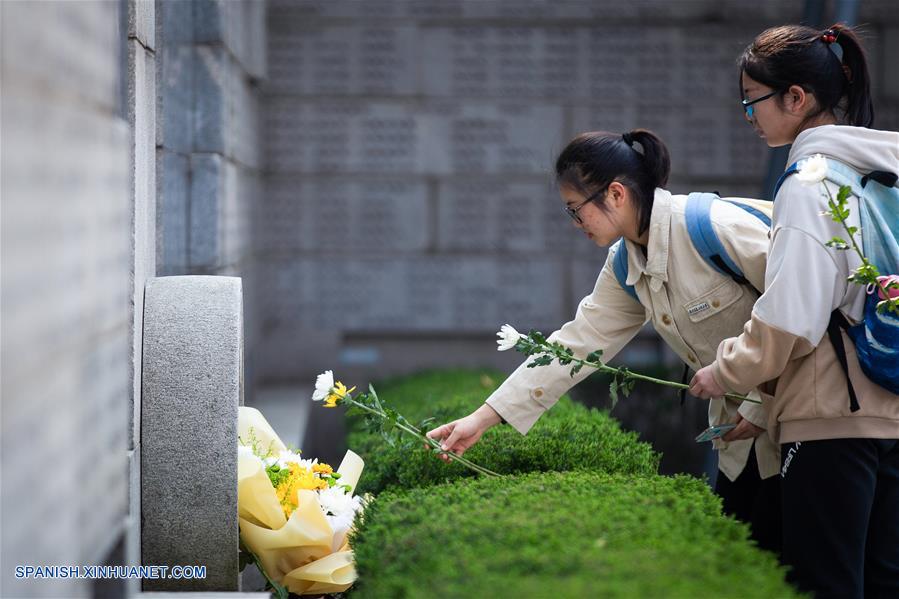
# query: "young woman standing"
612,187
840,458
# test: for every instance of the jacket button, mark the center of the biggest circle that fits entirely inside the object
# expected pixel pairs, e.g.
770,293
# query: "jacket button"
692,358
666,319
538,393
716,303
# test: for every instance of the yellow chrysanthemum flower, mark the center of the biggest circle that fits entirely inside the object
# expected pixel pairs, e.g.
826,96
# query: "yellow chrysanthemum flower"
338,392
322,468
299,478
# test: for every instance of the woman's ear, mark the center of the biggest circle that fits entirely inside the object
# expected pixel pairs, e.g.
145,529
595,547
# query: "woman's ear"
617,194
797,100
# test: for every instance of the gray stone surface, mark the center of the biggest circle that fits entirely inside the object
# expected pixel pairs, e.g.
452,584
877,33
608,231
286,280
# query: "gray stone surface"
345,60
417,294
210,73
360,215
173,183
193,365
142,22
442,138
141,116
207,191
64,290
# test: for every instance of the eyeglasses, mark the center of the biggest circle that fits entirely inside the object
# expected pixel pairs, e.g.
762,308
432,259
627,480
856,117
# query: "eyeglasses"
573,211
747,104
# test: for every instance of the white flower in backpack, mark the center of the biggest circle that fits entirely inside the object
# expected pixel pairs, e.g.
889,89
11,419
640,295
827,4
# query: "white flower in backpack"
813,170
507,337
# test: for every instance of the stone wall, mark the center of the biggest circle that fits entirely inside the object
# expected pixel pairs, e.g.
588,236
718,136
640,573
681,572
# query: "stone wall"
208,154
68,286
410,145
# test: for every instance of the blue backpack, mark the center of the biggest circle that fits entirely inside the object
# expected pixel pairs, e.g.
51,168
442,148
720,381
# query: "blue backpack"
876,337
705,240
702,234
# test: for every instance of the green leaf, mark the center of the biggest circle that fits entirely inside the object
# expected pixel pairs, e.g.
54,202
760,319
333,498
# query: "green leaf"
843,194
576,368
594,356
837,243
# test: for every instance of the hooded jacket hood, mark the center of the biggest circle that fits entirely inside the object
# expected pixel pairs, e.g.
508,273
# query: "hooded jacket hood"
863,149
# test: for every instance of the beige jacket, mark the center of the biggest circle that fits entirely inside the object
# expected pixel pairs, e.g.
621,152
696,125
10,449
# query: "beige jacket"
691,305
804,282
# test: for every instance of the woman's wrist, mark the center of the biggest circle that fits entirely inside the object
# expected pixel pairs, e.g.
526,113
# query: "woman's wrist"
488,416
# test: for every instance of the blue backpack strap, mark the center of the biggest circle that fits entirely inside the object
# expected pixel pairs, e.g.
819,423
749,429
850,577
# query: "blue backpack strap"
793,168
705,240
619,266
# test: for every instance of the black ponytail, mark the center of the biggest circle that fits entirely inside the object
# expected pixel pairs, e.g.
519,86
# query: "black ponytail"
829,64
637,159
859,107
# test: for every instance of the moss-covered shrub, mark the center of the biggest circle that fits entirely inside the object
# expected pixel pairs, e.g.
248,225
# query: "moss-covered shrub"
576,534
568,437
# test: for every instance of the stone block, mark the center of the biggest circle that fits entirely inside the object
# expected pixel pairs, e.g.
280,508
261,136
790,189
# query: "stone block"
348,60
72,48
392,137
331,214
175,99
141,115
243,118
142,22
210,26
210,108
207,194
490,215
399,294
173,182
193,385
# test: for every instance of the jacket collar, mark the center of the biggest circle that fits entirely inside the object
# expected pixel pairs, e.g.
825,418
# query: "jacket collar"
655,264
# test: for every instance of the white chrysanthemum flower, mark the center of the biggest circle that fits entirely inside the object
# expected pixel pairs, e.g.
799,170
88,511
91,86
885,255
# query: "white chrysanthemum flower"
813,170
323,385
340,508
286,457
507,337
245,451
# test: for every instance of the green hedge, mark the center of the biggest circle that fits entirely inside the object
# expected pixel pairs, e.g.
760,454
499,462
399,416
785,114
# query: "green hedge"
576,534
568,437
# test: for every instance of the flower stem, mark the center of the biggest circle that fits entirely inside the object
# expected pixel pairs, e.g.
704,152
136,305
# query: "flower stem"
545,349
836,212
408,428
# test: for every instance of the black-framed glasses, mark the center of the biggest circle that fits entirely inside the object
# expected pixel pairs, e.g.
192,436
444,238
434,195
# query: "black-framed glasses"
747,104
572,211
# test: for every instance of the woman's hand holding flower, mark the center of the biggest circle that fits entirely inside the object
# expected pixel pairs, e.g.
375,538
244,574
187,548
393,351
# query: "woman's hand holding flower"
457,436
704,385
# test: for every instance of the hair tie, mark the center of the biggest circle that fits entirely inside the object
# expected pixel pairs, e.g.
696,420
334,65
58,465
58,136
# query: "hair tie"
829,36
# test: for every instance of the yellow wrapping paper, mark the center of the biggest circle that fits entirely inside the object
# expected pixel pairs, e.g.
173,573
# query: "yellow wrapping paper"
302,552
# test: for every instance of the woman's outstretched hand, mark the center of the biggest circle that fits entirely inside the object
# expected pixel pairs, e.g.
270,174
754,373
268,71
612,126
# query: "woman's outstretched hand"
457,436
704,384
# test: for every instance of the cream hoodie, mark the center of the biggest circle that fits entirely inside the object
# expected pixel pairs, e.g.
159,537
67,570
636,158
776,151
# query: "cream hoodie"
804,282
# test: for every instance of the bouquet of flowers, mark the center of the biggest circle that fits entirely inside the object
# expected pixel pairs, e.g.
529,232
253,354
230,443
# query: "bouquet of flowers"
294,513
